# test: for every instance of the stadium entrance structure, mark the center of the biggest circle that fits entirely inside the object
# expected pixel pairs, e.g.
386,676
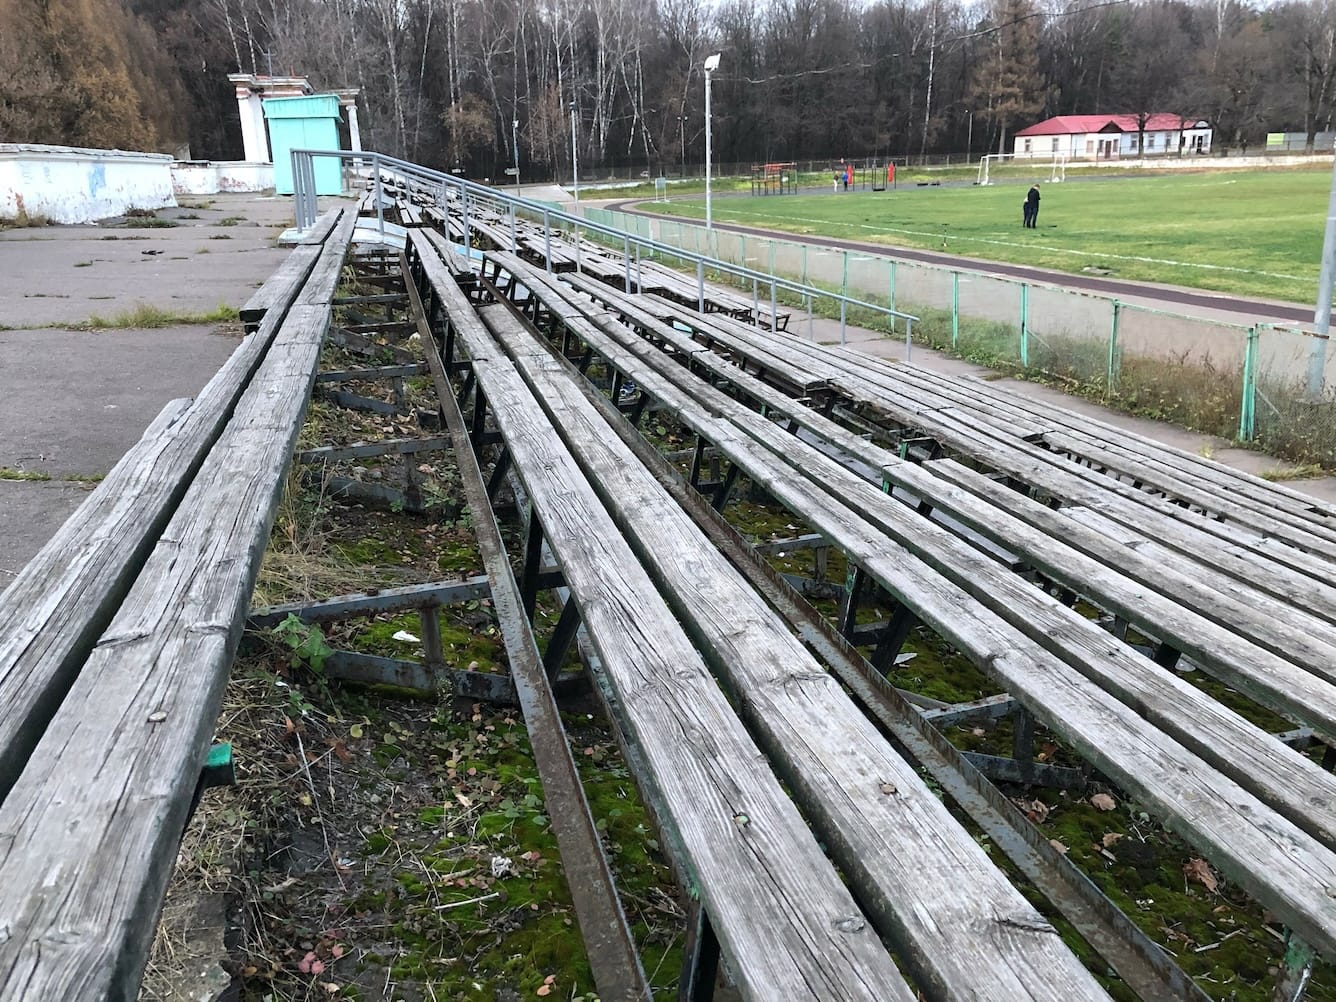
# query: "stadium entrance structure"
774,179
987,164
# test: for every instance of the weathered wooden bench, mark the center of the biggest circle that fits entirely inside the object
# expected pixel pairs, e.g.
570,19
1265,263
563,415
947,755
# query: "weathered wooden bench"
1066,673
905,872
1280,655
148,582
291,274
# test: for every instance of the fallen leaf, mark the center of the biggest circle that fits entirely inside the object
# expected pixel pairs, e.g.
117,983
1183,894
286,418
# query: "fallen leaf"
1058,845
544,990
355,731
310,964
1199,871
888,788
1110,838
1103,802
1035,810
550,979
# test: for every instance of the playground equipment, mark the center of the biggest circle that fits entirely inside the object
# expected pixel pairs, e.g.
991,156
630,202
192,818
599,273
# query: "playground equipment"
774,179
1057,169
871,174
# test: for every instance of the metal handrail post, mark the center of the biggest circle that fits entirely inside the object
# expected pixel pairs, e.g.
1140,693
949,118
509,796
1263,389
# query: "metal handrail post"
1111,377
547,238
1248,406
380,206
955,310
909,338
1025,325
700,283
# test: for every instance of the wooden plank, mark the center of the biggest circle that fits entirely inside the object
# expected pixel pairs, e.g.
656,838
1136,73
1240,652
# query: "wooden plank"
1278,863
1133,455
772,364
905,852
1298,530
88,834
323,227
281,286
796,937
1230,604
1266,492
998,448
449,253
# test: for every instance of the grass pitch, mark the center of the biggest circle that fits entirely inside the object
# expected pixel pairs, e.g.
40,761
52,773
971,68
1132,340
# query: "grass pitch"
1251,233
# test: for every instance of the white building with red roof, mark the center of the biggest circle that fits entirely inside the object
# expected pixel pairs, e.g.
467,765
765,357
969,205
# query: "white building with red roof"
1110,137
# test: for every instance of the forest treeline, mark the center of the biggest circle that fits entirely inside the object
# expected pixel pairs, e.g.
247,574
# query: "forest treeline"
444,81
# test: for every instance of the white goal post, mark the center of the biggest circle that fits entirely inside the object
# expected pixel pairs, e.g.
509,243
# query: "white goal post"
1057,168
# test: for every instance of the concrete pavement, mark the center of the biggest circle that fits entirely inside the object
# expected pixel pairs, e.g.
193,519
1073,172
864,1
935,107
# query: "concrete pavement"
72,401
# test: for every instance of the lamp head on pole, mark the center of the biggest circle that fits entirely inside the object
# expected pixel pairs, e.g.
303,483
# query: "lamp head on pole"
712,62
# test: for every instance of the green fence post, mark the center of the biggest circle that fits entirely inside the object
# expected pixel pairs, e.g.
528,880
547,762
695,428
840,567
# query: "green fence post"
892,263
955,310
844,281
804,264
1248,408
1025,325
1111,377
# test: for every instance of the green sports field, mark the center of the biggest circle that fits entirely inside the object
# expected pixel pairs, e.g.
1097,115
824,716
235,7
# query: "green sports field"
1253,233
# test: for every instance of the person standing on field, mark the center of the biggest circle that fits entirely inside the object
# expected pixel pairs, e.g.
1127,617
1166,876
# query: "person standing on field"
1032,206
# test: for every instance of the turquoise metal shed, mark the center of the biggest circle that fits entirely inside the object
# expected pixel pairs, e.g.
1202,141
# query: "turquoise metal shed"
304,123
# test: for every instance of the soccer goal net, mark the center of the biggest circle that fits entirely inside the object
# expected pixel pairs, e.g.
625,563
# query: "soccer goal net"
990,164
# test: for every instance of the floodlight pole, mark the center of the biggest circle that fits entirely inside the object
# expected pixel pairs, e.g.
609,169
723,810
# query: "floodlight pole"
575,164
515,141
1317,354
711,64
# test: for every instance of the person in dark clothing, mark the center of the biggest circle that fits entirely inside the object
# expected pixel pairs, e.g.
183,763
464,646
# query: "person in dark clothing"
1031,214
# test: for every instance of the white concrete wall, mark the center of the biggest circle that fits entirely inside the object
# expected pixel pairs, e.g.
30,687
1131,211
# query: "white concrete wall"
70,185
202,177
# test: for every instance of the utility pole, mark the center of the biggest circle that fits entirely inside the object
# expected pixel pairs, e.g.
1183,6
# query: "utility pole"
682,137
1317,354
575,163
711,64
